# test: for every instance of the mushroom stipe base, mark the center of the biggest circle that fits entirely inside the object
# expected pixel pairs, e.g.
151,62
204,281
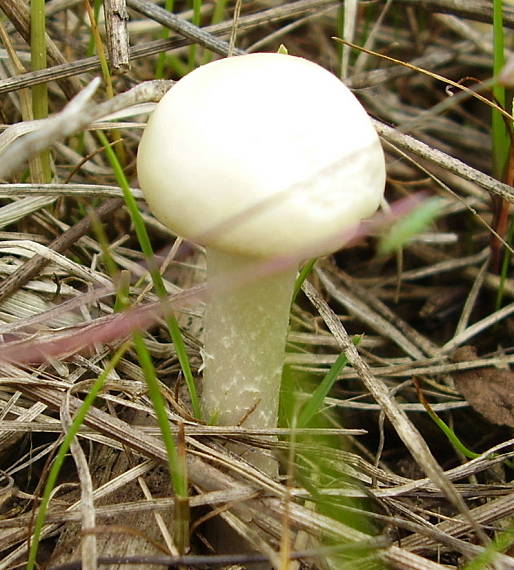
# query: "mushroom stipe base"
245,335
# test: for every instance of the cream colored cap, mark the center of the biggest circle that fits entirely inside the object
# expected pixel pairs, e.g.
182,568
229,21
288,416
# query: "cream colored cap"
262,154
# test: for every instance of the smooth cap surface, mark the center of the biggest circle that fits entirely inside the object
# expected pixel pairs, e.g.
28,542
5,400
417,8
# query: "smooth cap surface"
262,154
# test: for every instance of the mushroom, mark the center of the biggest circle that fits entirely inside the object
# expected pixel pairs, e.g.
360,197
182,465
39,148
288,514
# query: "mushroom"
257,157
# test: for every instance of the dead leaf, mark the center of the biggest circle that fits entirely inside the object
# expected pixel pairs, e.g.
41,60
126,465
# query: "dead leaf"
490,391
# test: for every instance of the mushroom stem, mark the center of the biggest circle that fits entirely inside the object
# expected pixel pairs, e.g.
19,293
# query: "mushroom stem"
245,336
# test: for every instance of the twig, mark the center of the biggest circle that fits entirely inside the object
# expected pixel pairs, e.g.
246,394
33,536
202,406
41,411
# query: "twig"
478,10
444,160
36,263
19,15
410,436
292,10
182,27
116,18
75,116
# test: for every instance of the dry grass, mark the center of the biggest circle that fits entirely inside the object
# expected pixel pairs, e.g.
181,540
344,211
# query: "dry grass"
390,488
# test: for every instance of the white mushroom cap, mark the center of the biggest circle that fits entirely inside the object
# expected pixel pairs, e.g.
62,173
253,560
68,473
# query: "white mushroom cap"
261,155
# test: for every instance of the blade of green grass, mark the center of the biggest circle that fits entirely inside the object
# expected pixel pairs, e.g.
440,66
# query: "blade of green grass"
161,60
63,451
448,432
315,401
38,61
452,437
410,225
144,242
193,48
100,51
177,468
106,75
217,16
500,138
305,271
91,43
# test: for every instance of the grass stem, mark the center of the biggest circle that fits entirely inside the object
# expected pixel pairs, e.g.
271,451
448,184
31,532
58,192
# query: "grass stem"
38,61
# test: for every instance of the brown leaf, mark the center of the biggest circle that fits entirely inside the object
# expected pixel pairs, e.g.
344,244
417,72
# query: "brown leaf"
490,391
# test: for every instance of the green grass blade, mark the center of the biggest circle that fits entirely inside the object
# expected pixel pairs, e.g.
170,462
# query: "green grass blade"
499,130
161,60
38,61
500,138
305,271
197,7
177,469
451,436
91,43
315,401
144,242
410,225
63,451
217,16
